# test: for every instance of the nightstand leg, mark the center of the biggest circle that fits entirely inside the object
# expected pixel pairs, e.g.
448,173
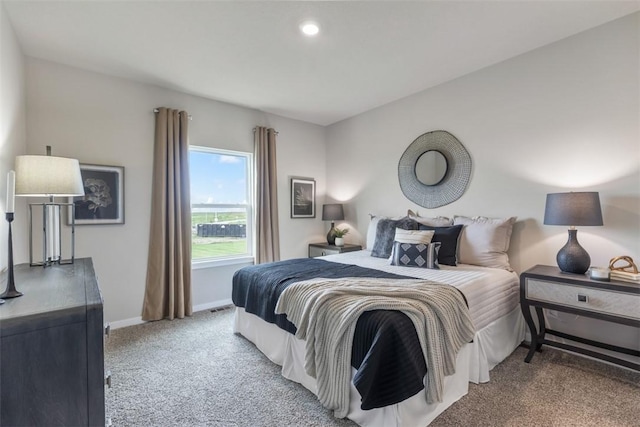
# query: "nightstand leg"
526,312
542,327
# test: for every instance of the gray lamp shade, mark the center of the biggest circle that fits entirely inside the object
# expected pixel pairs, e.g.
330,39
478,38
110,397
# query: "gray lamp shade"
332,212
581,208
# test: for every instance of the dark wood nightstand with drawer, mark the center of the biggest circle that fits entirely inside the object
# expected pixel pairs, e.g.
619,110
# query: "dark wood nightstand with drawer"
614,301
322,249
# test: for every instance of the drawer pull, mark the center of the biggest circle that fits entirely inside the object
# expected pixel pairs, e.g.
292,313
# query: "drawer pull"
583,298
107,379
107,330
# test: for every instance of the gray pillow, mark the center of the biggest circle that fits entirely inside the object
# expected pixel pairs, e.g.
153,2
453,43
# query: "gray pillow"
485,241
386,232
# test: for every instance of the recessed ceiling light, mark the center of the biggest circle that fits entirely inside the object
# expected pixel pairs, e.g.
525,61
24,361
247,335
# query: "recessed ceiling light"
309,28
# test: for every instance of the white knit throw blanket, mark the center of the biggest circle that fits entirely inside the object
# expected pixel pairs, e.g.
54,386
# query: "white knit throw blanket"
325,312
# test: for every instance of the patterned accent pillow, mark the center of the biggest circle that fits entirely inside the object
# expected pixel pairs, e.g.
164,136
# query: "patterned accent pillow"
416,255
412,236
386,232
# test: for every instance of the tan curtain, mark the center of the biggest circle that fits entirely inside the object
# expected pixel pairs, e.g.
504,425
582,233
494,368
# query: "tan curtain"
267,231
168,288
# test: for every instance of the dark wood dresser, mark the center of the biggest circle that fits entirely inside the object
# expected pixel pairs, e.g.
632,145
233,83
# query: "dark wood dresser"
52,348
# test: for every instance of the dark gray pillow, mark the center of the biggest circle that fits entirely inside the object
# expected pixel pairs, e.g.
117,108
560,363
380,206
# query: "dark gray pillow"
448,236
386,233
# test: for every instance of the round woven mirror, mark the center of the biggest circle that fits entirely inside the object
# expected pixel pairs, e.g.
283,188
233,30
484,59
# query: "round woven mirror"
434,170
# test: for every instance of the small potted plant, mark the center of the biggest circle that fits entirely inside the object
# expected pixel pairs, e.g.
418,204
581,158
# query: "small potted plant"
340,233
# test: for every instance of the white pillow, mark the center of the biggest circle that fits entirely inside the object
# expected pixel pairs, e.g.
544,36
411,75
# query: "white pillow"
413,236
438,221
485,241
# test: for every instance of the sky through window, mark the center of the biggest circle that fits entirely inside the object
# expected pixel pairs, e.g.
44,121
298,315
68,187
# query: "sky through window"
217,178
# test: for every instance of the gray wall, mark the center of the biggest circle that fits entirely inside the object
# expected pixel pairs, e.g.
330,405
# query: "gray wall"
561,117
12,133
105,120
564,117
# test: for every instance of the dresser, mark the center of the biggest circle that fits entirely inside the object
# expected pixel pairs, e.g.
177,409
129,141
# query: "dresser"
547,287
52,348
322,249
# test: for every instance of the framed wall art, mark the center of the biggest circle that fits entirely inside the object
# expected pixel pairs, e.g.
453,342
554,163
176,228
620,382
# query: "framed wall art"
103,200
303,198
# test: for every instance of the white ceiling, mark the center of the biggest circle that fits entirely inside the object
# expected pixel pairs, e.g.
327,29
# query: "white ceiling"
252,53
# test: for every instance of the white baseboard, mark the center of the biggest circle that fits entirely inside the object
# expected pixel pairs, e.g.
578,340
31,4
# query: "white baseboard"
126,322
200,307
212,304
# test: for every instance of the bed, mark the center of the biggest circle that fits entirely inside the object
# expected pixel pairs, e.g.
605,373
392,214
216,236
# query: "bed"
492,295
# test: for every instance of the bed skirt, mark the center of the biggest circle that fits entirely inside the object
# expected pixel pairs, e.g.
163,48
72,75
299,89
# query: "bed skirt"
491,345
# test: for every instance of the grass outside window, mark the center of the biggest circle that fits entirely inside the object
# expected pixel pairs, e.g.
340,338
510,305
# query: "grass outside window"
213,247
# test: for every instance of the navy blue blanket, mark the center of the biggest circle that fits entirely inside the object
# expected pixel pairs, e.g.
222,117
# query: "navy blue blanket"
386,350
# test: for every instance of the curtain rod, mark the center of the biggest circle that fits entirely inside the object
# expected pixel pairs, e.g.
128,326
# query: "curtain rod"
155,110
275,131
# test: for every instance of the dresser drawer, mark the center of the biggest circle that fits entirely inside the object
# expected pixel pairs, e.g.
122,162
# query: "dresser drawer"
584,298
315,251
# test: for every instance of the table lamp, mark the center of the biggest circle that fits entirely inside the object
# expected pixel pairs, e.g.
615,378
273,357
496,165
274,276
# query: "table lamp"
573,209
49,176
332,212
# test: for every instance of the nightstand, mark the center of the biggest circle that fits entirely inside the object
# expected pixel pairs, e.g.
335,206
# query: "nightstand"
322,249
547,287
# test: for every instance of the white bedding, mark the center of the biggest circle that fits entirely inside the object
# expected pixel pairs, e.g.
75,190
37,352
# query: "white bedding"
492,295
491,292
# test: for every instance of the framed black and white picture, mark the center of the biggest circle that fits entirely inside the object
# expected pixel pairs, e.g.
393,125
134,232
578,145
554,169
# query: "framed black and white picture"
103,200
303,198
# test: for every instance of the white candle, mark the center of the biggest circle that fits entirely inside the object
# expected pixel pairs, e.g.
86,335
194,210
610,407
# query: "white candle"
11,191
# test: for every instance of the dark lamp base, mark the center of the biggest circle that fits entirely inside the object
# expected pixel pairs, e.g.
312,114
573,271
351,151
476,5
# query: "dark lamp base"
10,293
331,235
572,258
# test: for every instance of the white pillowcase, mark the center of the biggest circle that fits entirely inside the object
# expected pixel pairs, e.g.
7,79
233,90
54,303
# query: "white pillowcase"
371,231
485,241
413,236
438,221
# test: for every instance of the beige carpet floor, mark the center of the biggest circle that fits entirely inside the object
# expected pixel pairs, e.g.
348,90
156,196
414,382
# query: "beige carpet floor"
196,372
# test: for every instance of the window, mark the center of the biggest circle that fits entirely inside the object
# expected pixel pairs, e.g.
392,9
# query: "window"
221,203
